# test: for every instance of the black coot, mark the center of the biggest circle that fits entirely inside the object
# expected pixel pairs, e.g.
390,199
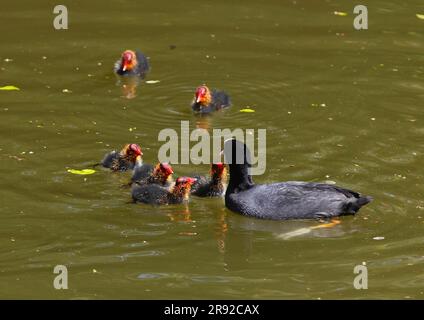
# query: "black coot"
206,101
283,200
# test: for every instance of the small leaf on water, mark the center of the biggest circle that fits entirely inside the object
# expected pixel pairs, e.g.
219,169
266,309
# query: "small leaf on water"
152,81
339,13
81,172
247,110
9,88
420,16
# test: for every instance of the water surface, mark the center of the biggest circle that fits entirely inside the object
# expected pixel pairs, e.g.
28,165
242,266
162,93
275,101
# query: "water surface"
339,104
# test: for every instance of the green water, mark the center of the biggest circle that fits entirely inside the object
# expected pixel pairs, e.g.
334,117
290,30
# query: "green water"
284,59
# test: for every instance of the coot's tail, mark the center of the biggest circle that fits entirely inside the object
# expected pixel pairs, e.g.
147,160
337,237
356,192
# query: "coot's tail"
356,203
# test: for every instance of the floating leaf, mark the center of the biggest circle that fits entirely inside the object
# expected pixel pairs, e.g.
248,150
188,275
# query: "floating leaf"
339,13
82,172
248,110
420,16
9,88
152,81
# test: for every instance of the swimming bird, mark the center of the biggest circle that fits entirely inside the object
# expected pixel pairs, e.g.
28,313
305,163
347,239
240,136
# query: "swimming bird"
124,160
206,101
160,174
213,186
132,63
158,195
283,200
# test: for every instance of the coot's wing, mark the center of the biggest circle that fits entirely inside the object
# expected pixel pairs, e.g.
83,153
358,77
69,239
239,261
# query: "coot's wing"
220,99
200,182
109,159
149,193
296,200
141,172
143,64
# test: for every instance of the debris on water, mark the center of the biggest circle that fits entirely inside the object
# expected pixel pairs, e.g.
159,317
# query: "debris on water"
44,57
132,129
82,172
66,91
378,238
172,46
8,60
99,63
420,16
94,271
247,110
9,88
340,13
372,119
152,81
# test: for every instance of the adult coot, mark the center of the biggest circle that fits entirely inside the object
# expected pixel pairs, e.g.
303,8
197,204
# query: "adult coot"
283,200
206,101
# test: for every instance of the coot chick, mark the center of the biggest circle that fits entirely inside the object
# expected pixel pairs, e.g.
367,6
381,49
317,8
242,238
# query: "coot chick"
124,160
161,174
158,195
214,186
132,63
206,101
283,200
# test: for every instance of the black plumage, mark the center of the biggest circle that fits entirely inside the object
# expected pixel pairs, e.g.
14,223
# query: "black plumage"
284,200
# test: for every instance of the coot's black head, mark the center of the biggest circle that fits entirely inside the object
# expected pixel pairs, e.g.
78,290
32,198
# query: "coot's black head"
237,156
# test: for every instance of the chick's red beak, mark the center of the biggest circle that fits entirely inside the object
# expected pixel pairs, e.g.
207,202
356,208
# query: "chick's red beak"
167,169
127,60
200,94
135,148
191,180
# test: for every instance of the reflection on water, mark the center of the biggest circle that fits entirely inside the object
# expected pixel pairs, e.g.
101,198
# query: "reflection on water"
129,86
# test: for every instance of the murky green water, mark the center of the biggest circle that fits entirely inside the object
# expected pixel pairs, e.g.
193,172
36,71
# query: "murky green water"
283,58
